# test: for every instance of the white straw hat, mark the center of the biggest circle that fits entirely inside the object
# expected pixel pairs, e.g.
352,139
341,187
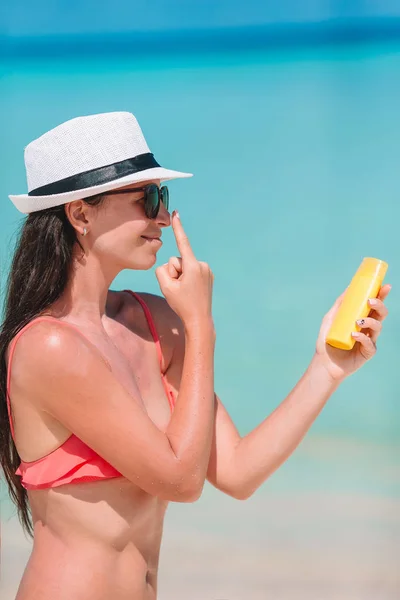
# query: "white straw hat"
86,156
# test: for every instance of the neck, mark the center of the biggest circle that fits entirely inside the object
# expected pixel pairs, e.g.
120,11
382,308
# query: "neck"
87,298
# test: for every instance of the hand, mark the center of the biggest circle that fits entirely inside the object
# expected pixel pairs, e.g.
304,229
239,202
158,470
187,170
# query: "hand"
186,283
342,363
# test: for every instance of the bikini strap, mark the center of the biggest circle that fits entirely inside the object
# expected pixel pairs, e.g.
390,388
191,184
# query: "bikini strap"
12,350
168,391
151,324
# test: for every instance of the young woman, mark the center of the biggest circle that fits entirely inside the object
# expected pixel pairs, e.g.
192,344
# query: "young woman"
108,409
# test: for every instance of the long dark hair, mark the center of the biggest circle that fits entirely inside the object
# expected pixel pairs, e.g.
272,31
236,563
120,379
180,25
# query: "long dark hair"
40,268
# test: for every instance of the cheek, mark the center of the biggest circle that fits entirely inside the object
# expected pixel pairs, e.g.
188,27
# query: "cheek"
120,229
129,235
122,238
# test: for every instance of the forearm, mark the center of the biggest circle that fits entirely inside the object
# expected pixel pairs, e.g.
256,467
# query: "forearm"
263,450
191,426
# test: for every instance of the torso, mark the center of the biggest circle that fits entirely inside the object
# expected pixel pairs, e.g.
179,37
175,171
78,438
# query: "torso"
101,540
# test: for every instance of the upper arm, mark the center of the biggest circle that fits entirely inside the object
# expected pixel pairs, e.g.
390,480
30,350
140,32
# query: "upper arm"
70,380
221,470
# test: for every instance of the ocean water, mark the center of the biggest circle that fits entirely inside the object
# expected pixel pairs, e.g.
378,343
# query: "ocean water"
295,155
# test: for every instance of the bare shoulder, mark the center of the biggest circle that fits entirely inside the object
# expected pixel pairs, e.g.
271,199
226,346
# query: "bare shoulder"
49,345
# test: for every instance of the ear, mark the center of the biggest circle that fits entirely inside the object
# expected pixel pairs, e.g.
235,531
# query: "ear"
77,213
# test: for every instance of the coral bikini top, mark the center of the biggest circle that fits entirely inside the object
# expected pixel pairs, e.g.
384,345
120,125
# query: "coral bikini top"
73,461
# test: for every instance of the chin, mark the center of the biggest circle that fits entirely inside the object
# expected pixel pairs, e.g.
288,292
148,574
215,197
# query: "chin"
142,265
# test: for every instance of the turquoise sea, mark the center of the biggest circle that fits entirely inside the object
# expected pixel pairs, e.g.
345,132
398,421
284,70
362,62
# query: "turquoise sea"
296,160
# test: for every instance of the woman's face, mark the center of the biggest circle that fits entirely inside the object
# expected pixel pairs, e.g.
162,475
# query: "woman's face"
120,233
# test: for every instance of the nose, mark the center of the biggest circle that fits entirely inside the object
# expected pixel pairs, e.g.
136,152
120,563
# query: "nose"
163,219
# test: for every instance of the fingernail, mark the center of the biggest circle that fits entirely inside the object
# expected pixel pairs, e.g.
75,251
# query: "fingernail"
360,322
177,214
355,334
372,301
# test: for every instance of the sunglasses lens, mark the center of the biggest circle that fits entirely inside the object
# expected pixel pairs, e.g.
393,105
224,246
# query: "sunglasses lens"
165,196
152,202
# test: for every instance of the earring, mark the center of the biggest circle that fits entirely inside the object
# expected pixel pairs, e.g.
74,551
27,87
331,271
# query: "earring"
84,231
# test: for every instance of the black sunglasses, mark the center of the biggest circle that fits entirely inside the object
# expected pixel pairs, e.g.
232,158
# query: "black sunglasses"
153,196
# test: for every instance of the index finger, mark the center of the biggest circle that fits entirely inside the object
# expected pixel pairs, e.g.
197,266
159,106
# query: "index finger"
182,240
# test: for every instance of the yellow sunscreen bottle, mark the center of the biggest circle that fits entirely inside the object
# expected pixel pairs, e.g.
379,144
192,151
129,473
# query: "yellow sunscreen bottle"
365,284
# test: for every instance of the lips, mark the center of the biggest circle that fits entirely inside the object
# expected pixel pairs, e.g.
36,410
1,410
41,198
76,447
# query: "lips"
152,241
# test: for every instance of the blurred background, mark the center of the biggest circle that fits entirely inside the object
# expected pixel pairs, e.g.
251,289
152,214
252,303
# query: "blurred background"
288,115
